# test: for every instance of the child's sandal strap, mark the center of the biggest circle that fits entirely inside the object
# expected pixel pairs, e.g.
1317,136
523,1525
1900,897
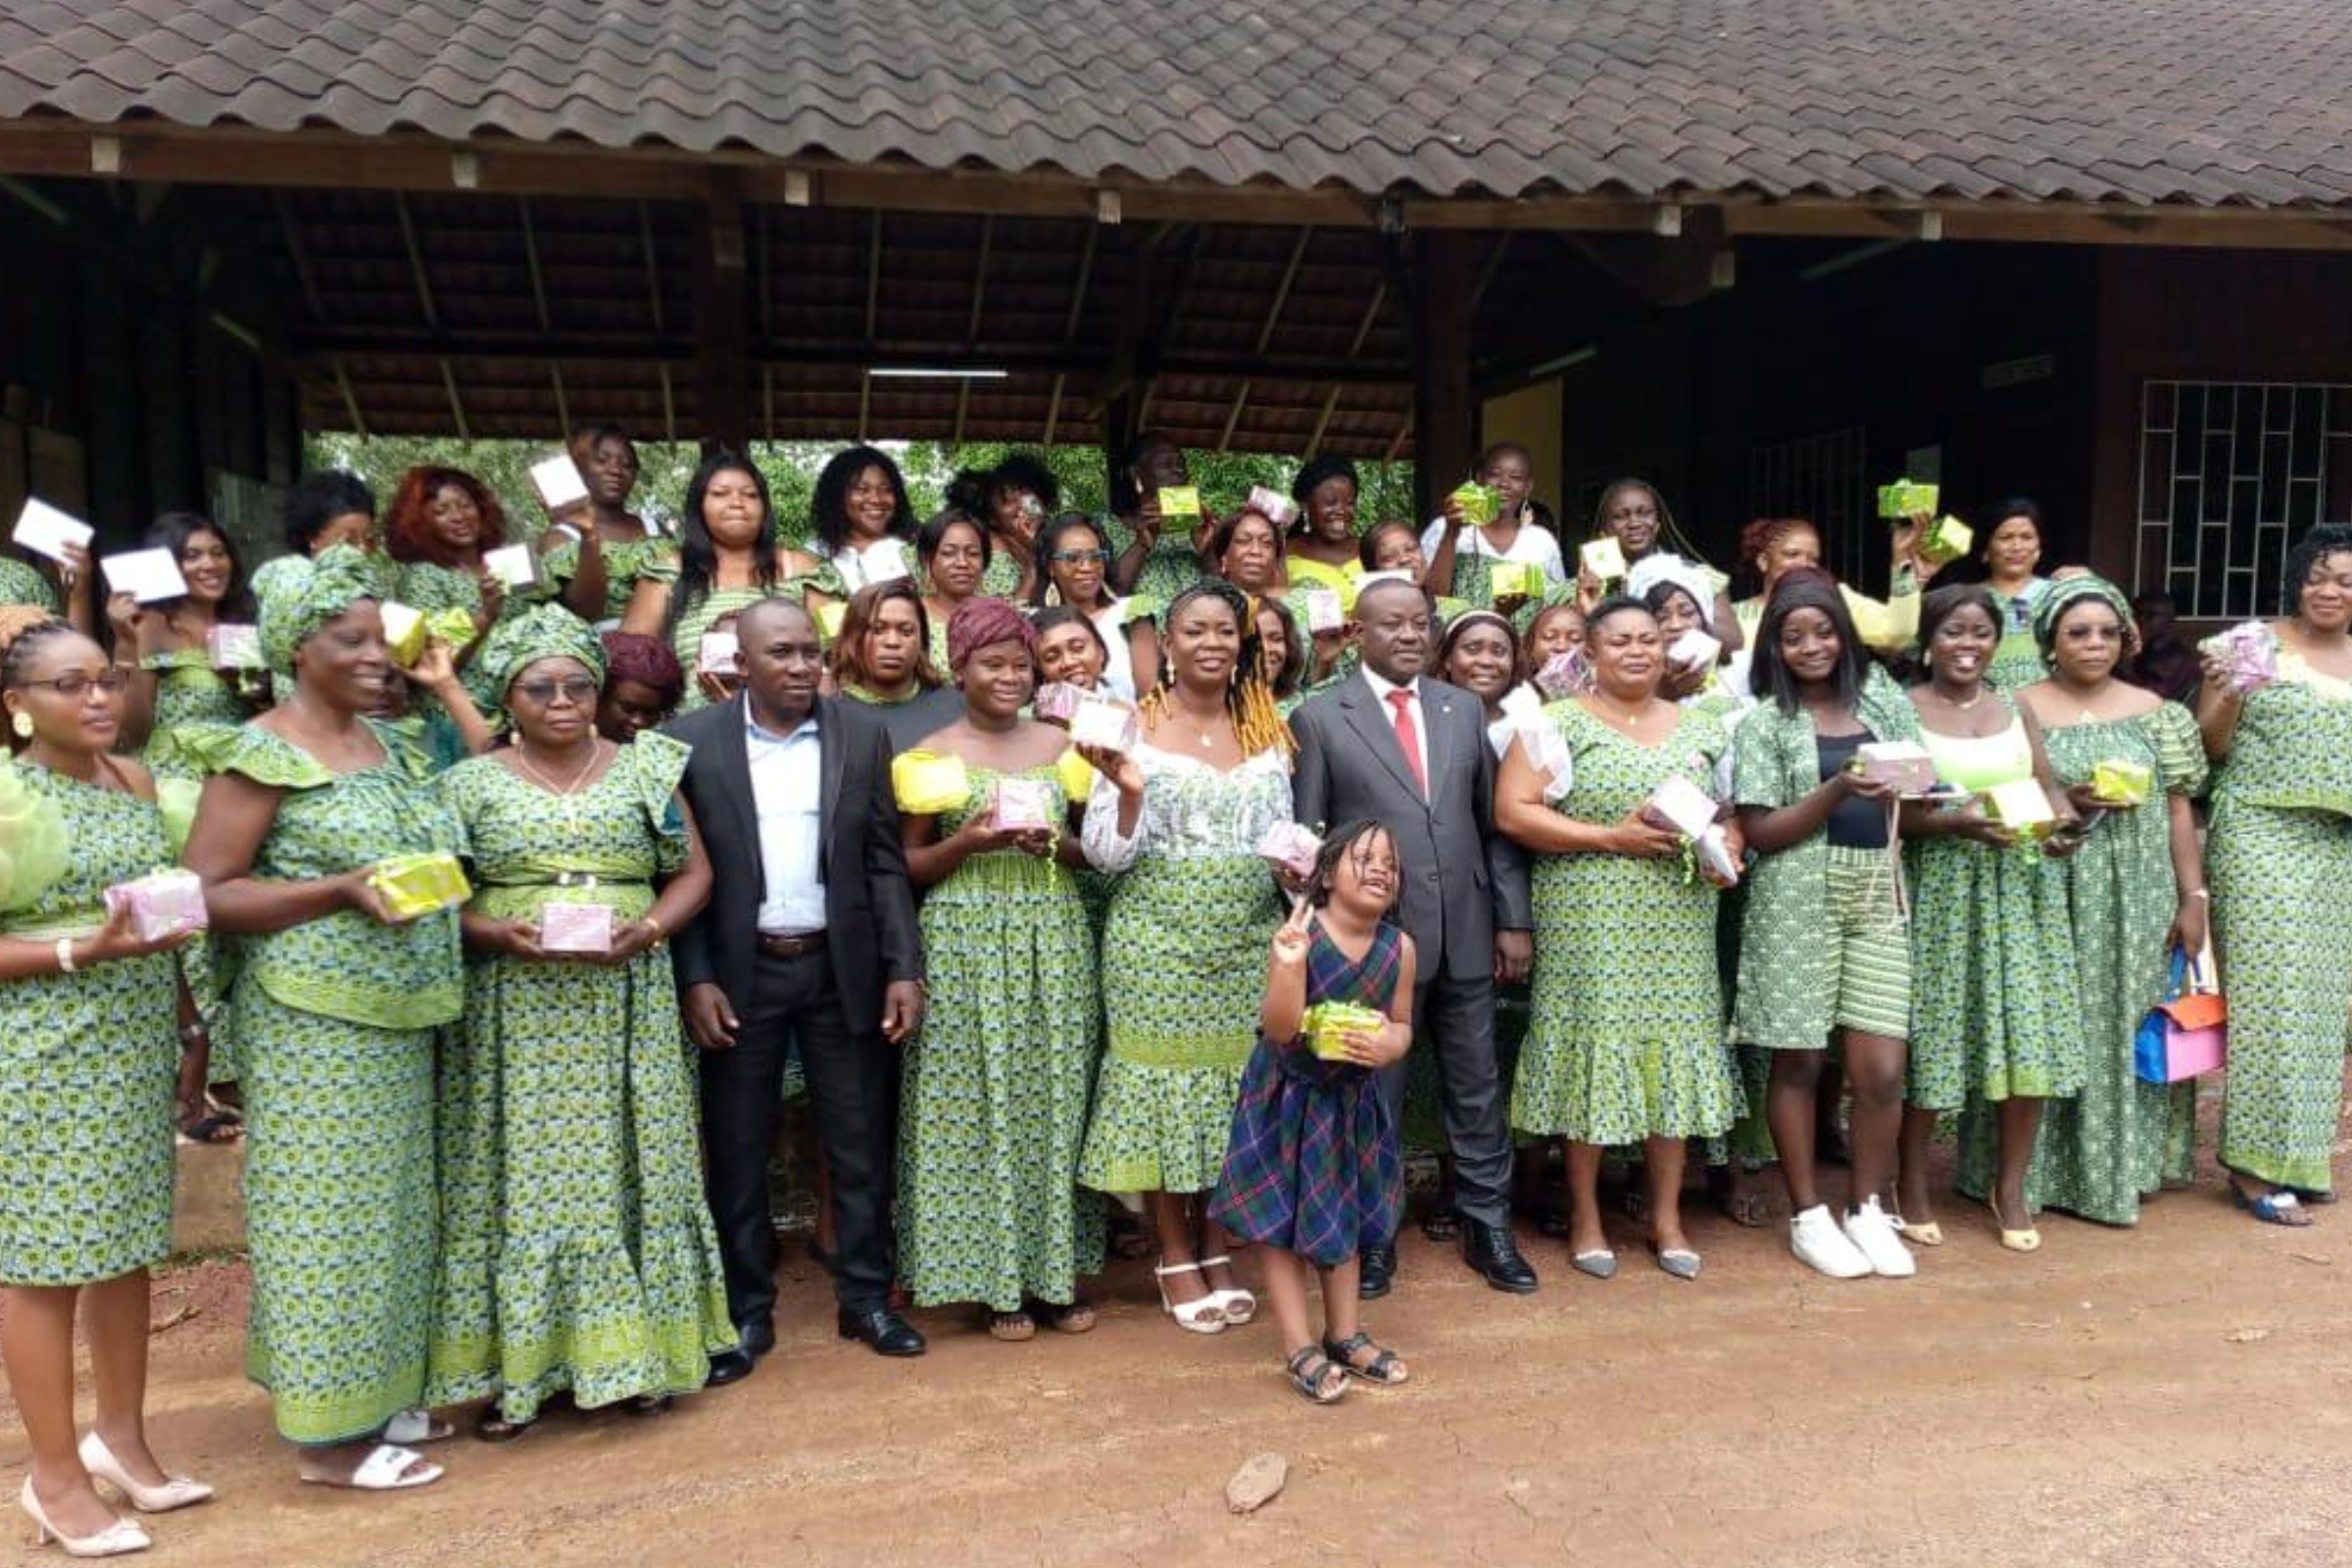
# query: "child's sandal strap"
1309,1370
1385,1367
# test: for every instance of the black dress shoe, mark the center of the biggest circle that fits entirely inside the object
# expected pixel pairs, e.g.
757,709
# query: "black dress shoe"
884,1332
757,1337
1379,1271
730,1367
1492,1254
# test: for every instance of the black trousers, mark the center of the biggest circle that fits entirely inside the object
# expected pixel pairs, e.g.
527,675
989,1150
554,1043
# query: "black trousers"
852,1092
1455,1018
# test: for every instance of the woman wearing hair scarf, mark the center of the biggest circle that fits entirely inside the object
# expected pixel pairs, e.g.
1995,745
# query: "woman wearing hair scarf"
579,1252
642,685
998,1082
2136,887
335,1012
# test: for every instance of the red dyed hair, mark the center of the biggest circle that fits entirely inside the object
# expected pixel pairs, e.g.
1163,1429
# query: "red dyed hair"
409,522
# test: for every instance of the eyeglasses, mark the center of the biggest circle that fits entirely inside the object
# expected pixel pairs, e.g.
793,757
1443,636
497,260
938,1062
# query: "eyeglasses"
576,689
112,682
1079,557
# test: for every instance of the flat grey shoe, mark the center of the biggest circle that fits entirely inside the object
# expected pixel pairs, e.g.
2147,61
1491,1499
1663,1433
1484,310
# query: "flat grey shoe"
1679,1262
1601,1265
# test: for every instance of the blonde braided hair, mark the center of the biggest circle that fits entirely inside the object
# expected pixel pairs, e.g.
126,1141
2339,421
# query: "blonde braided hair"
1257,723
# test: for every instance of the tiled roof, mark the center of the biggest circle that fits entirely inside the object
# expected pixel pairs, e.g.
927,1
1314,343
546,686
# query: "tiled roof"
2202,102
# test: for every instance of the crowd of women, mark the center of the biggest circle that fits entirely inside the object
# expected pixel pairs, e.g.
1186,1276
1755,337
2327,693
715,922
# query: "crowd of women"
1123,990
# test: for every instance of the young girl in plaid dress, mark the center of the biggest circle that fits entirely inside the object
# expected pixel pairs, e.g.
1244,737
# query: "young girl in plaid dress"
1311,1168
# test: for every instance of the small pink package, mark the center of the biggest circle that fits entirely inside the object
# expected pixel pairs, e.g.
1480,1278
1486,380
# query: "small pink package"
1106,723
1564,675
1278,509
230,646
1023,806
2249,655
1323,611
575,927
1292,847
1056,700
161,904
718,653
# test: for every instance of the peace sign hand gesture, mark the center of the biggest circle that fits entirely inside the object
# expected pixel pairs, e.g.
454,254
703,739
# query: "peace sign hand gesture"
1292,937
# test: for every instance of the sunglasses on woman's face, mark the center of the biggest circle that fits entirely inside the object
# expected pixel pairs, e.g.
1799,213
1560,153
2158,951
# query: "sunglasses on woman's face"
1079,557
579,689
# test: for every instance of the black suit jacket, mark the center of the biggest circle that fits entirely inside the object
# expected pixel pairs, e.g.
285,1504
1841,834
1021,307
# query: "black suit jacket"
1462,879
869,903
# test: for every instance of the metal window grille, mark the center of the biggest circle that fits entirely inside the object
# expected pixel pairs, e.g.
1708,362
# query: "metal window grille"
1823,478
2231,474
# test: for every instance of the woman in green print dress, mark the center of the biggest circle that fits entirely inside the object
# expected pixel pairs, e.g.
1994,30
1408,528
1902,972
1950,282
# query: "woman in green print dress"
578,1251
88,1012
1995,1011
998,1080
1626,1041
2136,889
178,682
335,1010
442,521
2012,550
2280,852
597,553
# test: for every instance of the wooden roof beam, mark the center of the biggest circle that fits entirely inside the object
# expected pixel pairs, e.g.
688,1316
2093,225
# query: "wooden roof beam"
1363,329
1054,406
988,234
1086,277
408,237
1282,293
457,406
873,280
531,254
1331,400
554,375
1233,419
963,403
299,256
653,266
669,407
350,399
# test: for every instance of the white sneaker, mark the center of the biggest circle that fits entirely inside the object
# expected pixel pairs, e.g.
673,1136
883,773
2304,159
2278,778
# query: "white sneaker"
1874,1237
1818,1243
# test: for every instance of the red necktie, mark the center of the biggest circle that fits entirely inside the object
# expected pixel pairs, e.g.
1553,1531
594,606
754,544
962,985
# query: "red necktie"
1406,740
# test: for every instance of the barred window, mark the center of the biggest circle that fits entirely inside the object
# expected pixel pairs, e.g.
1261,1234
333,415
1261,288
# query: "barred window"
2231,474
1823,480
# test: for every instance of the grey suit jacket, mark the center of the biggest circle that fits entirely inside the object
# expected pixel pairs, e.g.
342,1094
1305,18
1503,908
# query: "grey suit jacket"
1462,879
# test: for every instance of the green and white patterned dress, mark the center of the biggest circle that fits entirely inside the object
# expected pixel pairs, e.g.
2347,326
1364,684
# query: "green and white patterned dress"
1170,566
87,1062
992,1110
1995,1008
21,584
2016,657
686,637
1184,965
187,691
335,1021
2279,856
2119,1139
625,561
1626,1041
577,1250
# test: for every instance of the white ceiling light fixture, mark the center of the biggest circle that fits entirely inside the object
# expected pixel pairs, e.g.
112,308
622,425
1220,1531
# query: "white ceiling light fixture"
934,372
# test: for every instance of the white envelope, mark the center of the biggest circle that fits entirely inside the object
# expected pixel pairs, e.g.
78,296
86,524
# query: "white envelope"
558,481
46,531
149,577
1323,613
1684,805
511,564
883,560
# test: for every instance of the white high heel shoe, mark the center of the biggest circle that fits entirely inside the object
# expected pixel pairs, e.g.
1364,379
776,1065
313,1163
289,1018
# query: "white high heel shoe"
117,1539
1202,1315
177,1492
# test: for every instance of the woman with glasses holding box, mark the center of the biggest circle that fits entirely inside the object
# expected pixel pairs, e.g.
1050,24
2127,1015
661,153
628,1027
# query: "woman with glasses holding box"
1077,574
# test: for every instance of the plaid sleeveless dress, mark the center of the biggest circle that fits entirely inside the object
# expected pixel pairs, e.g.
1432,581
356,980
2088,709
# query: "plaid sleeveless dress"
1313,1164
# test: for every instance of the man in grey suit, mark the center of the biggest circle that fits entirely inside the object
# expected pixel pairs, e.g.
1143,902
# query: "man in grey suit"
1410,752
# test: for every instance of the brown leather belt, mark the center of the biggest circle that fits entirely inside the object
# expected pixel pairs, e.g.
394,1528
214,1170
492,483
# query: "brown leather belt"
791,947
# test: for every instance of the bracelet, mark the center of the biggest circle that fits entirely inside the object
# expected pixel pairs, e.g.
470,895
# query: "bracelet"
65,955
660,930
190,1033
569,528
2196,892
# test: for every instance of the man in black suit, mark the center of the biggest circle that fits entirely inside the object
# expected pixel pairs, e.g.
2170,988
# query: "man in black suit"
810,934
1410,752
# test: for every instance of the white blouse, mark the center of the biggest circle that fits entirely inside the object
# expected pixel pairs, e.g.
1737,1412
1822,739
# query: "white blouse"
1190,809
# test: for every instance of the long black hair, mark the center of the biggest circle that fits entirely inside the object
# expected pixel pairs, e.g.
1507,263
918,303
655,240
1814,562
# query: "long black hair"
698,554
318,499
173,529
1806,588
829,519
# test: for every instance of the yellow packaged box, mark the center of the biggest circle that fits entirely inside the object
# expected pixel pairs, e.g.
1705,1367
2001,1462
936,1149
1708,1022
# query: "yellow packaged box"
1947,539
2021,808
415,885
2118,781
1603,557
1326,1023
927,782
828,618
1481,504
1179,501
1515,580
1903,499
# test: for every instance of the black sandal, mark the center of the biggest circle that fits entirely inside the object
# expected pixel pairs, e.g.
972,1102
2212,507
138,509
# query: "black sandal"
1386,1370
1310,1374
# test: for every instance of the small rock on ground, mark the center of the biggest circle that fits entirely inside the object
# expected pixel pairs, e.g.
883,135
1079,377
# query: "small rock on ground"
1256,1482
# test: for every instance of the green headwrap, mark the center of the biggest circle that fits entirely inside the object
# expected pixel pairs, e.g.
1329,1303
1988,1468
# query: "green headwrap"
305,595
520,641
2061,596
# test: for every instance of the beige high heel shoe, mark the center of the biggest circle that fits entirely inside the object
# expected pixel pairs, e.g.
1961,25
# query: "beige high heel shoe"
177,1492
117,1539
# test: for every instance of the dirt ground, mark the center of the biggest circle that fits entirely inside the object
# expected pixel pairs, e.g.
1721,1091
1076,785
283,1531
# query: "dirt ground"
2179,1394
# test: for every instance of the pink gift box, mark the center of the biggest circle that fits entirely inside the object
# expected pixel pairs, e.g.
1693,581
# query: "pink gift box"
1023,806
2249,655
161,904
1056,700
1323,611
575,927
1106,723
1278,509
1564,675
718,653
236,647
1292,846
1901,765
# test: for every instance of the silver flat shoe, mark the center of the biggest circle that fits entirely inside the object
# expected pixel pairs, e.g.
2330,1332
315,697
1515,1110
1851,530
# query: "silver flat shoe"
1679,1262
1601,1265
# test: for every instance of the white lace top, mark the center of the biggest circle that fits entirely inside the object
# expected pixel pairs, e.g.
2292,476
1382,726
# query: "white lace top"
1190,809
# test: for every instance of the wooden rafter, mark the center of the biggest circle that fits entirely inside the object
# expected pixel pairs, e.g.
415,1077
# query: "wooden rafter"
301,258
1363,329
767,400
874,287
1086,277
865,401
1290,276
554,375
531,254
457,406
350,399
1233,417
988,236
1405,430
1485,273
768,298
653,267
1331,402
963,404
669,407
1053,404
408,236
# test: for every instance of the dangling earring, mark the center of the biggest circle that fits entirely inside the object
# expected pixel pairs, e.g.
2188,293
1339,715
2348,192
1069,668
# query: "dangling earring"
21,724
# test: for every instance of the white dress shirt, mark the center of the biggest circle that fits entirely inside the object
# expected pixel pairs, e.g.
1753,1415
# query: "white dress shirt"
1534,545
786,796
1413,712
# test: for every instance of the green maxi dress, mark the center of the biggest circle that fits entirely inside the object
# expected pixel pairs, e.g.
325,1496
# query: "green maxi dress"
2279,856
1626,1041
21,584
625,561
87,1062
992,1110
335,1021
1184,965
576,1247
2119,1139
686,635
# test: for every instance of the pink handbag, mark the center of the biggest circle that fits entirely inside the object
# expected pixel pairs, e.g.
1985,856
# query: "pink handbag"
2185,1034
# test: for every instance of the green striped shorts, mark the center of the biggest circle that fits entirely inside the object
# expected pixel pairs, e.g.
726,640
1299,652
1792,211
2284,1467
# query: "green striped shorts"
1870,944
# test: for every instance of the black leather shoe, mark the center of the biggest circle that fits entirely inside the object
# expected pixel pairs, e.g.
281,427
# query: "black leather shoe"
730,1367
884,1332
1379,1272
757,1337
1492,1254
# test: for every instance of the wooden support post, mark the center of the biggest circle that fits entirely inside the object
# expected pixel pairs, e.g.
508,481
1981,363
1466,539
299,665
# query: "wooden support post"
1444,277
723,321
